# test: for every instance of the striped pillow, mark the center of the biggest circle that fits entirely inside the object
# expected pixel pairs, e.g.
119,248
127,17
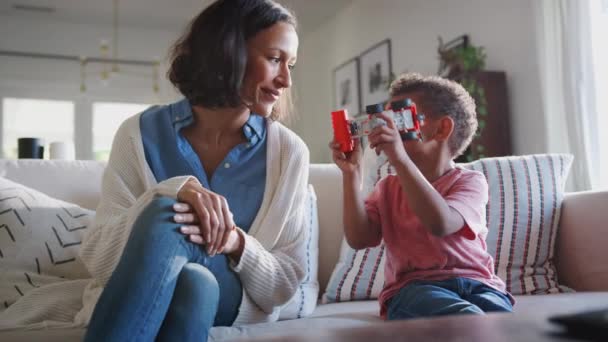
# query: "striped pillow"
358,275
523,211
525,195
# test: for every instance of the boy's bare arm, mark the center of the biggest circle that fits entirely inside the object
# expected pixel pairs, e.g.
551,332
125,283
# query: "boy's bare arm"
359,231
430,207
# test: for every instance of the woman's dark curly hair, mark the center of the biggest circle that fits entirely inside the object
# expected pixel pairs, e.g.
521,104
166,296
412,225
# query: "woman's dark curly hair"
208,62
443,98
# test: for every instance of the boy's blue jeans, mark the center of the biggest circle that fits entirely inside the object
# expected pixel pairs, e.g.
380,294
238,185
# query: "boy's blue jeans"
164,286
452,296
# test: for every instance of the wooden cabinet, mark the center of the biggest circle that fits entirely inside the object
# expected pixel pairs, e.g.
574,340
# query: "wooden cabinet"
495,137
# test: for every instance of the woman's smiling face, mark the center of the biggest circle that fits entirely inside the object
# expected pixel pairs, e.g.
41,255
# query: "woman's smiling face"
271,56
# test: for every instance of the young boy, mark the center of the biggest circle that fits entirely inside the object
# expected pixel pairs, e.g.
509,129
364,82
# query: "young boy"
430,214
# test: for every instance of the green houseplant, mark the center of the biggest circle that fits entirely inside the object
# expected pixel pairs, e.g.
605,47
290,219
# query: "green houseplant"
460,61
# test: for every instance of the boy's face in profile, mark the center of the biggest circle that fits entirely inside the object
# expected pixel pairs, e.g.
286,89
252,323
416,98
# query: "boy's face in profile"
419,151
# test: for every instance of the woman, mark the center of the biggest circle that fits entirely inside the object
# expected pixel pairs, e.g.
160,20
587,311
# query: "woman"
204,198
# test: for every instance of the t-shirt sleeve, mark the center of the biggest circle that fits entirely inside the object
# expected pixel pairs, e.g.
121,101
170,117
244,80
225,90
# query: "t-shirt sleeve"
469,196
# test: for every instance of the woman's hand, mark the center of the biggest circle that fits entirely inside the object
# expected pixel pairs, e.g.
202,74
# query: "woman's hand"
386,138
193,231
206,215
347,162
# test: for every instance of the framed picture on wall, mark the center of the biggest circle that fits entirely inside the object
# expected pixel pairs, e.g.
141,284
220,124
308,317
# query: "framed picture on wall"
376,70
346,87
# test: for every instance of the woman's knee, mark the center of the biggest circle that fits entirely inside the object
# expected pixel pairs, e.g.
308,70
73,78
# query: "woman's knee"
159,207
198,281
157,219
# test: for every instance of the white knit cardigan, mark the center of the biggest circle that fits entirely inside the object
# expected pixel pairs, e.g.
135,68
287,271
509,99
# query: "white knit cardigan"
273,263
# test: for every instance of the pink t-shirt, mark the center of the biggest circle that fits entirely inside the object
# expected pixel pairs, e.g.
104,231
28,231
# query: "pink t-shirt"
413,253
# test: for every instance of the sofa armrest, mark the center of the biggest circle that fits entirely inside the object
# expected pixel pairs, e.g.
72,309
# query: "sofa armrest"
582,241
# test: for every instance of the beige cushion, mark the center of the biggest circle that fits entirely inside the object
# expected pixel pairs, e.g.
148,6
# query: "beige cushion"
327,180
304,301
39,241
582,242
75,181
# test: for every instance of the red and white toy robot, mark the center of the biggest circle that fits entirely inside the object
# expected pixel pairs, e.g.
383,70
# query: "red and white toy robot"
403,112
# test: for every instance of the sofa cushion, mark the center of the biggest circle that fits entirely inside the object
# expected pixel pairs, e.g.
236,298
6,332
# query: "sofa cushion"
327,318
304,302
358,275
582,239
523,211
39,240
74,181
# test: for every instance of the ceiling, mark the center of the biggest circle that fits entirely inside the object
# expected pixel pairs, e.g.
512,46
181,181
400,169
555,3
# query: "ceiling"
157,14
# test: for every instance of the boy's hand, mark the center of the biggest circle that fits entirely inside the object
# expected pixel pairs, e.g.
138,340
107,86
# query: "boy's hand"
388,140
347,162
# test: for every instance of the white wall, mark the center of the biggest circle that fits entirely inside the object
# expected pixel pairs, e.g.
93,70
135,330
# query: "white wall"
49,79
504,28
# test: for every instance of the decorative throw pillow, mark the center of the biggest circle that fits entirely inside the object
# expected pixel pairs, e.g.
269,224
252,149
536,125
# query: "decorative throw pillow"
39,240
304,302
358,275
523,211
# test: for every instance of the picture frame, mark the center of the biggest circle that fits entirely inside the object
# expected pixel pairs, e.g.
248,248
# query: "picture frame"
376,68
448,55
347,94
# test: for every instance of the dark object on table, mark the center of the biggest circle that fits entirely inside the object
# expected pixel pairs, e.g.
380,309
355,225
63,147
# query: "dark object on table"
591,325
30,148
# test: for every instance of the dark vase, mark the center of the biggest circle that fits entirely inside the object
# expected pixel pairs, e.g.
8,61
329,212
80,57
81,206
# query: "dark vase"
30,148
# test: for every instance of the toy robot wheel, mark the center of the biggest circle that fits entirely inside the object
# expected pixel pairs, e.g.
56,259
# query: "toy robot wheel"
409,135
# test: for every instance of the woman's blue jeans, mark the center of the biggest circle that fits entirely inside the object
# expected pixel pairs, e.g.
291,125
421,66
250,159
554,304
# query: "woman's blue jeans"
447,297
164,286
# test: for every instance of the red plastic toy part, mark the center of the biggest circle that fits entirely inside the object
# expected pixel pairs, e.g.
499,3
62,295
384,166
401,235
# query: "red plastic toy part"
415,117
339,121
403,113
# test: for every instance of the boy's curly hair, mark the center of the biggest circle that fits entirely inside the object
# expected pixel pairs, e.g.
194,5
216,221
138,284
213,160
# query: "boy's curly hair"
443,97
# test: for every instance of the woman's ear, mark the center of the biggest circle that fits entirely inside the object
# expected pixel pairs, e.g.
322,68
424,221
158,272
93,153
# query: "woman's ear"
445,128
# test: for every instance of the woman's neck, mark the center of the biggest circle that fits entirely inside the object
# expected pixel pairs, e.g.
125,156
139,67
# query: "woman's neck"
218,126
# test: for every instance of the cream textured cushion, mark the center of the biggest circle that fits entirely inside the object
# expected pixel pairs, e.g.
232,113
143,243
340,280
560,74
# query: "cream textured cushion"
39,240
304,302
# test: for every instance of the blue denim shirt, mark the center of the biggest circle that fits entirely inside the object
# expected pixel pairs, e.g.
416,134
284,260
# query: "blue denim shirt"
240,178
